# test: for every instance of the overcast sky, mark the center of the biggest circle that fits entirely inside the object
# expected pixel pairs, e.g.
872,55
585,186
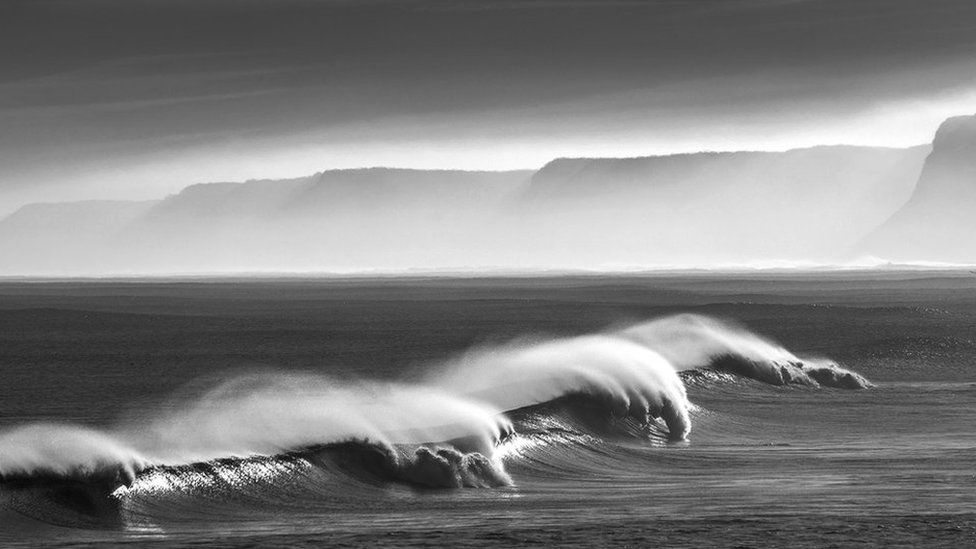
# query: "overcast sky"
138,98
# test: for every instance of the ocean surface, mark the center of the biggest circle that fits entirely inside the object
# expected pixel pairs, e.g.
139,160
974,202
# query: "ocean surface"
694,410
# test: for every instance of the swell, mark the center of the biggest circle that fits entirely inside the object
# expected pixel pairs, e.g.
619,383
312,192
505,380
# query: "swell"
559,405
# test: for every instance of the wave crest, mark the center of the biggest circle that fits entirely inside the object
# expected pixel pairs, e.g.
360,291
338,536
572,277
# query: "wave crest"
690,341
443,432
51,451
259,414
630,379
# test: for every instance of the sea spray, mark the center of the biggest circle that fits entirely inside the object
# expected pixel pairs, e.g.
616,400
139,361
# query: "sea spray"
691,341
50,451
630,379
271,412
441,432
254,415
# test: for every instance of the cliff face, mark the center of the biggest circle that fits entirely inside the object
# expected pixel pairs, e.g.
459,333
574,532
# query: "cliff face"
340,192
694,209
810,172
807,203
342,219
938,223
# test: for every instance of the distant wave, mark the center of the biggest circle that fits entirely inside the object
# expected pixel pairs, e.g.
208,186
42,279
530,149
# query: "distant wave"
690,342
469,418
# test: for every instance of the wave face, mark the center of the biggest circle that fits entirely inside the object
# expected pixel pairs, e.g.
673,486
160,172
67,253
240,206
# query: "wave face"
533,406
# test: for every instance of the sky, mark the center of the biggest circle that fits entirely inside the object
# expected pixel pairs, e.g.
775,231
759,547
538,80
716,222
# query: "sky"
135,99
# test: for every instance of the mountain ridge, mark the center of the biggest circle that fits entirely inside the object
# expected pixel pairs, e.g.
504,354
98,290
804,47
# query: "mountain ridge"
687,208
938,222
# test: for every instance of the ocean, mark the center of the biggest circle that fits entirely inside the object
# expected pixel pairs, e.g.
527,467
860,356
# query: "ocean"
683,410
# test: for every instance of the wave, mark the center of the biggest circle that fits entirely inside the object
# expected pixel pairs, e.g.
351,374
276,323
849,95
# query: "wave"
461,425
269,412
690,342
55,451
356,470
256,414
630,379
365,462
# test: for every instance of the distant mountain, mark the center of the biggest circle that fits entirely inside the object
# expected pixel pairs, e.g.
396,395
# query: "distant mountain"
91,217
340,192
689,209
66,237
334,219
726,206
939,221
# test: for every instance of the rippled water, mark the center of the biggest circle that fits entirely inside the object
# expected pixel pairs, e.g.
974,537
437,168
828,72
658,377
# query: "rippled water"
890,465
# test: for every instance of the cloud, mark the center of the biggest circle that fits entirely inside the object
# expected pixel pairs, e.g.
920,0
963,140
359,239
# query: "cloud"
98,94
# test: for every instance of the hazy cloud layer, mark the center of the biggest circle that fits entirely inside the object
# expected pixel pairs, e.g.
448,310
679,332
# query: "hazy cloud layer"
136,98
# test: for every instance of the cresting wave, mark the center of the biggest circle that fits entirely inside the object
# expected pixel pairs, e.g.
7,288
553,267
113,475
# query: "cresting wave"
253,415
693,342
629,379
457,427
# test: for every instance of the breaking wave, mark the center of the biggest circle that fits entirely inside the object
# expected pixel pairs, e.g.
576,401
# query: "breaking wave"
631,380
257,414
464,424
691,342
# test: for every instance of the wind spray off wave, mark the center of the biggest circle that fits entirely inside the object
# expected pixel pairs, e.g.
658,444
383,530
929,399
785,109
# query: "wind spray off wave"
630,379
253,415
455,427
691,342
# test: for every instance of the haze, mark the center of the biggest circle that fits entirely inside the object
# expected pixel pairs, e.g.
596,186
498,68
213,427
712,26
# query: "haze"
129,100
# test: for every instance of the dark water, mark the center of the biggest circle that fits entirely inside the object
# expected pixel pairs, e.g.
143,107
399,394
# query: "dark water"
767,461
